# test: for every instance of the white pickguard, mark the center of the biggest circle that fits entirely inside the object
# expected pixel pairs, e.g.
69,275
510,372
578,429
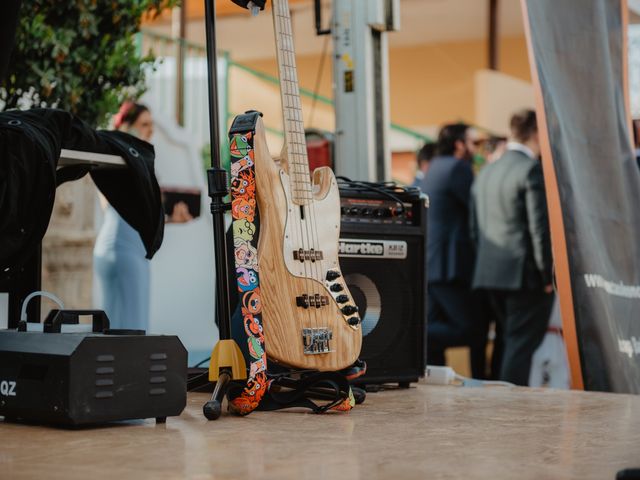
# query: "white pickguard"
320,230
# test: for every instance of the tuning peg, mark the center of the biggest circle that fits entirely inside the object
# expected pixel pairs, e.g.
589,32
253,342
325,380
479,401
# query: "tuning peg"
349,309
332,275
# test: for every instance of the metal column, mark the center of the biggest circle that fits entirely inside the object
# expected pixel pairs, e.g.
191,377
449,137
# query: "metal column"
361,83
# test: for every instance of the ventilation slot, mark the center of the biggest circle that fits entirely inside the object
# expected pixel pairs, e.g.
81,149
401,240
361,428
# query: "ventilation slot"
104,394
101,381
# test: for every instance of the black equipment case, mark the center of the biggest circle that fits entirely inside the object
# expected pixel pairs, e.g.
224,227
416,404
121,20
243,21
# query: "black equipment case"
89,378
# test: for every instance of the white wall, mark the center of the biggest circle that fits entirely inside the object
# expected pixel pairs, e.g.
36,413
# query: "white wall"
498,96
182,271
634,69
162,95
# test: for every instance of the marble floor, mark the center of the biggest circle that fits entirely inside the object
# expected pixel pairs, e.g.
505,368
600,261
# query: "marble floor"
425,432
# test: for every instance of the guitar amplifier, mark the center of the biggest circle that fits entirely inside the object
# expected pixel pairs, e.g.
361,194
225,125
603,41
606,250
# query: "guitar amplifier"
383,258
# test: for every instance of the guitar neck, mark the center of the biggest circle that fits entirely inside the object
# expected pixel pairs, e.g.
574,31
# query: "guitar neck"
291,107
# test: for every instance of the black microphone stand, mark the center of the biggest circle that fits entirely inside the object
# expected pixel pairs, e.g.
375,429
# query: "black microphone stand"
227,362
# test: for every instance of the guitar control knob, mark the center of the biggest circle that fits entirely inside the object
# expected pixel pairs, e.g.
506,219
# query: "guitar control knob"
353,321
336,287
349,310
332,275
342,299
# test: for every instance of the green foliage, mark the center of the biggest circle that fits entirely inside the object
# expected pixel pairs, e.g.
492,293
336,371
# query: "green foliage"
225,160
205,153
80,56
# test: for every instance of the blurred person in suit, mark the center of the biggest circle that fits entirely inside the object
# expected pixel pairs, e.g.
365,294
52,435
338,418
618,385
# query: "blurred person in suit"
424,156
636,139
510,228
455,314
495,147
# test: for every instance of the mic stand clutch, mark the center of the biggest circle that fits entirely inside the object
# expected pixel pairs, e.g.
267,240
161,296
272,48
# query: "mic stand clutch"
227,362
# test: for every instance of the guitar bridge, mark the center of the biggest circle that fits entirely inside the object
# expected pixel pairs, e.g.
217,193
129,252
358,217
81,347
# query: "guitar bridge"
316,340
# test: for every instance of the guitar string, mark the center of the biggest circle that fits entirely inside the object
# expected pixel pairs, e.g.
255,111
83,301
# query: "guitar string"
303,172
299,151
311,222
279,21
320,265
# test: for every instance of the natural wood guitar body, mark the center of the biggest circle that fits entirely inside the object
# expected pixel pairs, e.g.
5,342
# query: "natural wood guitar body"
283,279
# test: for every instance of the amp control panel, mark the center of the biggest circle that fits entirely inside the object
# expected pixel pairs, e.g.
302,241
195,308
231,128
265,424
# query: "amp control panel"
378,210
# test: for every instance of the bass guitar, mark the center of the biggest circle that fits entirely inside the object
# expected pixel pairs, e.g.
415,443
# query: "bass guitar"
309,318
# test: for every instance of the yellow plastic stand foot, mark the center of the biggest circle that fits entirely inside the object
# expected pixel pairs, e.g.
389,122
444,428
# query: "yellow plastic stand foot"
227,354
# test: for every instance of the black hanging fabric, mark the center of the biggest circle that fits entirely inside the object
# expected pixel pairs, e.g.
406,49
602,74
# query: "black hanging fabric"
579,53
30,145
8,24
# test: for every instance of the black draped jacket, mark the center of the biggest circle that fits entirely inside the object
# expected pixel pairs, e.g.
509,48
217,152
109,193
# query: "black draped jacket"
30,145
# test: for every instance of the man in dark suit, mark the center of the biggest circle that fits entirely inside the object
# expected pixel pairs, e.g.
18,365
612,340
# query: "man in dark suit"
509,226
454,317
424,156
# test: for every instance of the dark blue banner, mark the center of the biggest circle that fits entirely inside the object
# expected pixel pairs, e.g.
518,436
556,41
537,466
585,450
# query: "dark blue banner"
593,184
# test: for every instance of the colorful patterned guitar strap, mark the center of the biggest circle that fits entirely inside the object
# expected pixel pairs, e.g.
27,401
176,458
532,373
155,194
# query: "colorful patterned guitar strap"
246,227
245,247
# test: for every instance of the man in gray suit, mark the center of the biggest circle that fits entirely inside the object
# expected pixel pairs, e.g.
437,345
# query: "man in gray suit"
510,228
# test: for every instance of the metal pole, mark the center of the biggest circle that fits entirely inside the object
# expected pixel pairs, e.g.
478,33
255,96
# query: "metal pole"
212,70
226,155
218,180
182,35
494,33
318,16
